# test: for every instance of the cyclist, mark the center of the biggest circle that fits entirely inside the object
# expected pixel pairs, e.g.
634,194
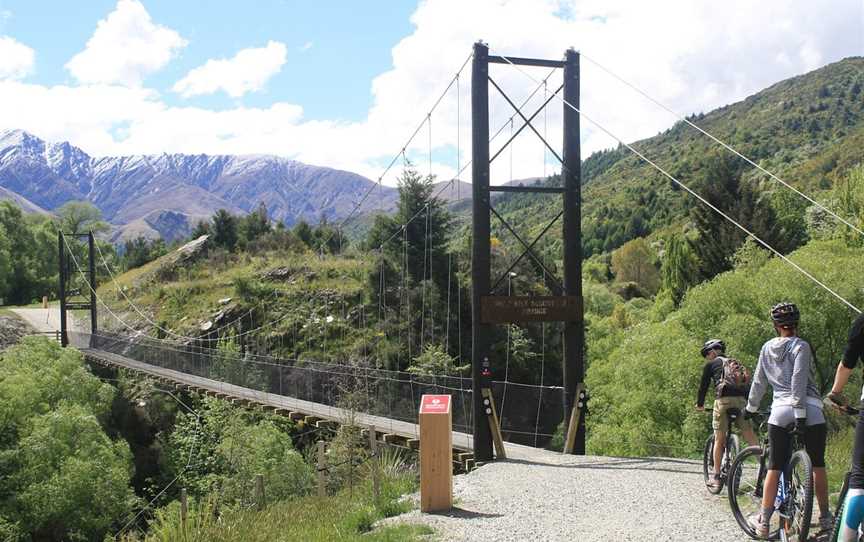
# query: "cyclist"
785,363
726,398
853,512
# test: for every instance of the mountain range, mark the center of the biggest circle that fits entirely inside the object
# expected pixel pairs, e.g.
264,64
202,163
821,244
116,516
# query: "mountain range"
166,195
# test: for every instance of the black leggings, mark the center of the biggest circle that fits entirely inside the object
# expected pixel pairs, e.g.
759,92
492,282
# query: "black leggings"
780,440
856,480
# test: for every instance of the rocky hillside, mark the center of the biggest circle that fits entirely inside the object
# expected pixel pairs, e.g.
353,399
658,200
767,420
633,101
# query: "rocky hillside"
167,194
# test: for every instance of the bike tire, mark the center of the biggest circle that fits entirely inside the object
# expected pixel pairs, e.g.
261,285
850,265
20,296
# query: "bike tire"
838,513
708,464
742,502
801,483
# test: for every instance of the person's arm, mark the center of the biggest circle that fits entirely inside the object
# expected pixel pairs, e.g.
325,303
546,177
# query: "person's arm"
707,372
841,377
851,354
759,385
800,379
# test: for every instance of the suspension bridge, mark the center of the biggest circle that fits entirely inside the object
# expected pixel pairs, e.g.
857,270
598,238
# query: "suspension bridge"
384,398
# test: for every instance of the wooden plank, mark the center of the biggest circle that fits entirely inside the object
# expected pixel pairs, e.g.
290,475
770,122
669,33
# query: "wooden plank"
311,420
296,416
413,443
391,438
494,426
326,424
573,426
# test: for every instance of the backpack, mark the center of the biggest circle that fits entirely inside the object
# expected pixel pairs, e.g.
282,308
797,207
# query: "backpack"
735,376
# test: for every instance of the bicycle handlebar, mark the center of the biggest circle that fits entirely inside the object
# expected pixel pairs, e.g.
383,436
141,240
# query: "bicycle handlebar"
845,409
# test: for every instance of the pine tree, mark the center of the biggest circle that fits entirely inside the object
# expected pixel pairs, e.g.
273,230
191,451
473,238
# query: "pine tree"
719,238
224,230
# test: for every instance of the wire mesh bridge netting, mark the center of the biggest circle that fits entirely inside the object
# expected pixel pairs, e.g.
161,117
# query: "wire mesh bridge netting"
531,413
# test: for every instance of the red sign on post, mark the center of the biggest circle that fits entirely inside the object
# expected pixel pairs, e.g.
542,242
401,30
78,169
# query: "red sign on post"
435,404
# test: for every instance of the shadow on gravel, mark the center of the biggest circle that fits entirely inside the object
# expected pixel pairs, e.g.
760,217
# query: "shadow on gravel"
648,464
461,513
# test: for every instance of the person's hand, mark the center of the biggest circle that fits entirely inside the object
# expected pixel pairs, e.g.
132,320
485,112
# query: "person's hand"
749,415
836,400
800,425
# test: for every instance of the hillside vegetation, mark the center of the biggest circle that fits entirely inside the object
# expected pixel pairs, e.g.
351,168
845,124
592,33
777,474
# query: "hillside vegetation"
809,130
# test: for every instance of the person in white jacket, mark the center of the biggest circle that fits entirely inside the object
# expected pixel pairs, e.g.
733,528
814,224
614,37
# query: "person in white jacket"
785,363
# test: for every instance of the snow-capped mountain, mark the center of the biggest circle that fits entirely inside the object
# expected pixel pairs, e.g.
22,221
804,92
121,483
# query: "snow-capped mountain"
167,194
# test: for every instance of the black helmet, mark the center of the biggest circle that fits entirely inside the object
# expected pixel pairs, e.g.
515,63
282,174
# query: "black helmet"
713,344
785,314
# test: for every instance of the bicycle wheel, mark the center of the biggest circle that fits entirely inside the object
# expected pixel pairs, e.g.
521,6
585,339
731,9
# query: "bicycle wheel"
708,464
795,519
746,476
838,514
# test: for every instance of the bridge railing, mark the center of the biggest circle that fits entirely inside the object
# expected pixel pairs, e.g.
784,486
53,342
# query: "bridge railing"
529,416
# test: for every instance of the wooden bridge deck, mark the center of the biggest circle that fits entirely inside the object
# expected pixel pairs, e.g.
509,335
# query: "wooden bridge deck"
387,430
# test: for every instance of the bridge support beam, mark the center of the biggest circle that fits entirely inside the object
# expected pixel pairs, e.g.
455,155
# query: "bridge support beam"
480,248
61,292
567,296
574,330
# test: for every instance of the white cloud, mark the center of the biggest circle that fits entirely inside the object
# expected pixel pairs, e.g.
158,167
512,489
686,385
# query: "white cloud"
16,59
247,71
126,47
694,56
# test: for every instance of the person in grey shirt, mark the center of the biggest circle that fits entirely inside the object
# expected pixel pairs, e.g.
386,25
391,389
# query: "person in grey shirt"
785,363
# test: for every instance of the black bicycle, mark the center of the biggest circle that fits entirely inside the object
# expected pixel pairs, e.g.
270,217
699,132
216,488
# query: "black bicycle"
841,499
732,447
794,501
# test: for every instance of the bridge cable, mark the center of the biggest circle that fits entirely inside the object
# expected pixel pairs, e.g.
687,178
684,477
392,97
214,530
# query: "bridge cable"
723,144
156,325
697,196
365,196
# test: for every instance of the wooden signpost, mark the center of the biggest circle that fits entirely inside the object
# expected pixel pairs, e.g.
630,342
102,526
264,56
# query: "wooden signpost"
436,453
514,309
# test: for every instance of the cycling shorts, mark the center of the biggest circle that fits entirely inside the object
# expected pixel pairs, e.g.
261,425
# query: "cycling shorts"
780,440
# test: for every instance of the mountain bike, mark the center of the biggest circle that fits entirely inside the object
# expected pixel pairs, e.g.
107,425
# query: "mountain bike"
841,499
794,502
732,447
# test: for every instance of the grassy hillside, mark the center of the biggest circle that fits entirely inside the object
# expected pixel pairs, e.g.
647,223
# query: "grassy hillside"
808,129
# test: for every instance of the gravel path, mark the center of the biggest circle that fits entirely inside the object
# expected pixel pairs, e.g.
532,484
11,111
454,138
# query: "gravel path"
44,319
586,499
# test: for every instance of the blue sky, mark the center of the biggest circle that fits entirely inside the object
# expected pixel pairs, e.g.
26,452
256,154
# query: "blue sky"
348,42
343,84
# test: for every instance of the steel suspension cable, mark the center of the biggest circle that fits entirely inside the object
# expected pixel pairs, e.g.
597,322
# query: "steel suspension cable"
150,321
698,196
722,143
401,152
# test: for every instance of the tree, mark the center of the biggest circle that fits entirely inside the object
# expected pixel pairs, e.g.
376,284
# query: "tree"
139,251
680,268
718,238
22,281
201,228
253,226
5,263
426,228
224,230
64,478
634,262
304,232
81,217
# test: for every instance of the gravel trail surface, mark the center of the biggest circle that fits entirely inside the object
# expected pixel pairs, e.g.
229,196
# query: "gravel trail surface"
555,497
44,319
